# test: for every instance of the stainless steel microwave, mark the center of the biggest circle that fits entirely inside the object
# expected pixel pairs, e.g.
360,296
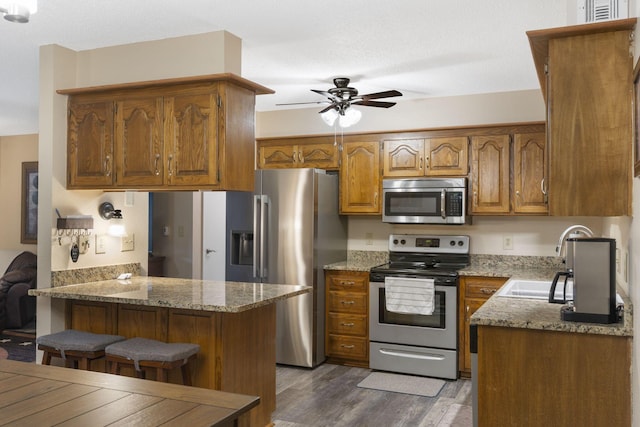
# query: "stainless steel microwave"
424,201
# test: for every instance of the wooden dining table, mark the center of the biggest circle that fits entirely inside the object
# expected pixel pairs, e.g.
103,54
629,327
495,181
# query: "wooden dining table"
40,395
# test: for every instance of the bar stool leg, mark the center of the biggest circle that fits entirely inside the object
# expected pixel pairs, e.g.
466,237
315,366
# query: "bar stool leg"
46,358
161,375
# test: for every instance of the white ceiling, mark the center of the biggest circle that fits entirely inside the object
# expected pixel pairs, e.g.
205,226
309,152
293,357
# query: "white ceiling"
423,48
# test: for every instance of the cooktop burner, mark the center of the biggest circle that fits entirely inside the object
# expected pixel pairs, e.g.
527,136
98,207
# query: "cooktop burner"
413,255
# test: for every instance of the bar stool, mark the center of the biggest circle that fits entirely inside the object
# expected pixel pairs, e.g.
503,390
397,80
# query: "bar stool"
146,353
77,346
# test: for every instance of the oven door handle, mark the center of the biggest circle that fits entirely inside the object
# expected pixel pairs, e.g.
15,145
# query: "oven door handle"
412,355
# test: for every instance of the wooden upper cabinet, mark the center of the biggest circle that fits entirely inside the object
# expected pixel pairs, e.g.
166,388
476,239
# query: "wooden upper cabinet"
404,157
447,156
529,172
191,141
90,159
588,90
139,142
294,155
425,157
186,134
277,156
360,179
490,174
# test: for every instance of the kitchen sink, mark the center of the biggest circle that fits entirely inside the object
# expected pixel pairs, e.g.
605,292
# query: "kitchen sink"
534,289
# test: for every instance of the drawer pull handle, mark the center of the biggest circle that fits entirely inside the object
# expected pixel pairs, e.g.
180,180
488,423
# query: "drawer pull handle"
347,346
347,302
349,325
348,283
488,291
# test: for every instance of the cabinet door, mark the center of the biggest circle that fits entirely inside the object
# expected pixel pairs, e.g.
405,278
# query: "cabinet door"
322,156
490,174
471,306
139,142
590,125
528,173
360,178
447,156
90,144
277,157
403,157
191,144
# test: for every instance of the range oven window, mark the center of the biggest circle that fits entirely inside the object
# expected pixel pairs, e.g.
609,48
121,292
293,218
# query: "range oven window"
435,320
412,203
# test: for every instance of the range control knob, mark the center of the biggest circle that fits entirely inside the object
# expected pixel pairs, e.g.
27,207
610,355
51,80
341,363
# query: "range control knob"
452,243
460,243
402,242
395,241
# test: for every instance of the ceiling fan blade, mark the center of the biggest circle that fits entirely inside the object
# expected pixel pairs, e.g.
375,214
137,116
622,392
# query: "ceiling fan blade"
378,95
302,103
374,103
330,107
323,93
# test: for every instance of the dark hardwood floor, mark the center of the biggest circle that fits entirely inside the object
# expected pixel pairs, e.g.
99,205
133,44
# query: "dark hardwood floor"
328,396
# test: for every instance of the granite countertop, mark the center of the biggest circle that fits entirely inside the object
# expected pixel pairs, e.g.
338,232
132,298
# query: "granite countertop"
538,314
177,293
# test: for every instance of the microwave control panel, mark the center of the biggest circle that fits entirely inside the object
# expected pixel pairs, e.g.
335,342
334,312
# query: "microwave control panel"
454,205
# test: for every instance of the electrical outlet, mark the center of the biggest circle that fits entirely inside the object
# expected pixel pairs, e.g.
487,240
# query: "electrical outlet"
369,238
126,243
507,243
101,244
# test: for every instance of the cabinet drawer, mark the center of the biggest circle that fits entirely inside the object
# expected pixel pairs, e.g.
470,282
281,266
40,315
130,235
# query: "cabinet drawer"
348,347
347,302
483,288
348,283
346,324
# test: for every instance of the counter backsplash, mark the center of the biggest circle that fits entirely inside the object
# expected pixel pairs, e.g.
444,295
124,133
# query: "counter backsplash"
92,274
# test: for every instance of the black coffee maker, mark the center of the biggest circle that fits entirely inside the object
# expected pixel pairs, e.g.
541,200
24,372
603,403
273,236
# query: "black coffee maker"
591,267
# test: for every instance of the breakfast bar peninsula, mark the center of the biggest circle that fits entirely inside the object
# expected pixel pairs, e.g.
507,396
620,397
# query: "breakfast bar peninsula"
233,322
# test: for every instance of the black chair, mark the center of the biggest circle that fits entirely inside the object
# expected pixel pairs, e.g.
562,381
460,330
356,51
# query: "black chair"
17,308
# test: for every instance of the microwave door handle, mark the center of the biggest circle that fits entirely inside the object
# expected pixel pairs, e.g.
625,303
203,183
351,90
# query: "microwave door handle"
443,211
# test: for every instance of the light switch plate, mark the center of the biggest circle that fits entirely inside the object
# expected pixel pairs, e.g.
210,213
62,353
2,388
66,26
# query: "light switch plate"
126,243
101,244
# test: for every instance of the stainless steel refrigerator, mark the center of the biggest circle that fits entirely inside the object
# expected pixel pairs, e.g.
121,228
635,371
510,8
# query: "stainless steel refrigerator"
297,230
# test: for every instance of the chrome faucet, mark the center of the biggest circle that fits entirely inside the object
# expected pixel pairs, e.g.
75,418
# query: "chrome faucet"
573,230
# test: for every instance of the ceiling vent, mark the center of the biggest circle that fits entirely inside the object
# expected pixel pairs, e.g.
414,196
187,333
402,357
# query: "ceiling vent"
601,10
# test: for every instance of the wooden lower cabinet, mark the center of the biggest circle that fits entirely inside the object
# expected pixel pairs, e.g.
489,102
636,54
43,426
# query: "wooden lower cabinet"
237,350
474,291
347,319
529,377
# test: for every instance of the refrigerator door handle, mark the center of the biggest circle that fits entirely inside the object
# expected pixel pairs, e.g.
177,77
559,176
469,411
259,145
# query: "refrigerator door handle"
264,237
260,236
257,235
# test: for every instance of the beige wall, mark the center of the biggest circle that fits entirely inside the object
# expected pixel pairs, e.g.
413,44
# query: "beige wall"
13,151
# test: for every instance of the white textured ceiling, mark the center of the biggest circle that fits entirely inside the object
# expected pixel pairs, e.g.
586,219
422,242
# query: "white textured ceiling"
423,48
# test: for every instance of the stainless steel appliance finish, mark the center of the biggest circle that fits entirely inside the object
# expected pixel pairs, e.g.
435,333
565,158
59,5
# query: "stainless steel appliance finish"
424,201
594,287
415,343
227,230
297,230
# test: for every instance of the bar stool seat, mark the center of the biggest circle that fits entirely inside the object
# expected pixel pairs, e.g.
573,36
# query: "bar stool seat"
80,347
147,353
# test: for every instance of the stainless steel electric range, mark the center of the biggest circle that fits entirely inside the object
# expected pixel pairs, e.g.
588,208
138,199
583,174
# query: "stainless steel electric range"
418,343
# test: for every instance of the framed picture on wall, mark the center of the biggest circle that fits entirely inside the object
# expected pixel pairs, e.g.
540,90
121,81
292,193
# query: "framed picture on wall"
636,118
29,222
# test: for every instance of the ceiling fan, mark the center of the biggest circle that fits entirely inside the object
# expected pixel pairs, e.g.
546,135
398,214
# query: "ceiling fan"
341,97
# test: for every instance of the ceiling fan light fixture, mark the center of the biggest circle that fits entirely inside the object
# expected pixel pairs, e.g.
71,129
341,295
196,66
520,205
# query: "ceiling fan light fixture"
329,116
350,117
18,11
